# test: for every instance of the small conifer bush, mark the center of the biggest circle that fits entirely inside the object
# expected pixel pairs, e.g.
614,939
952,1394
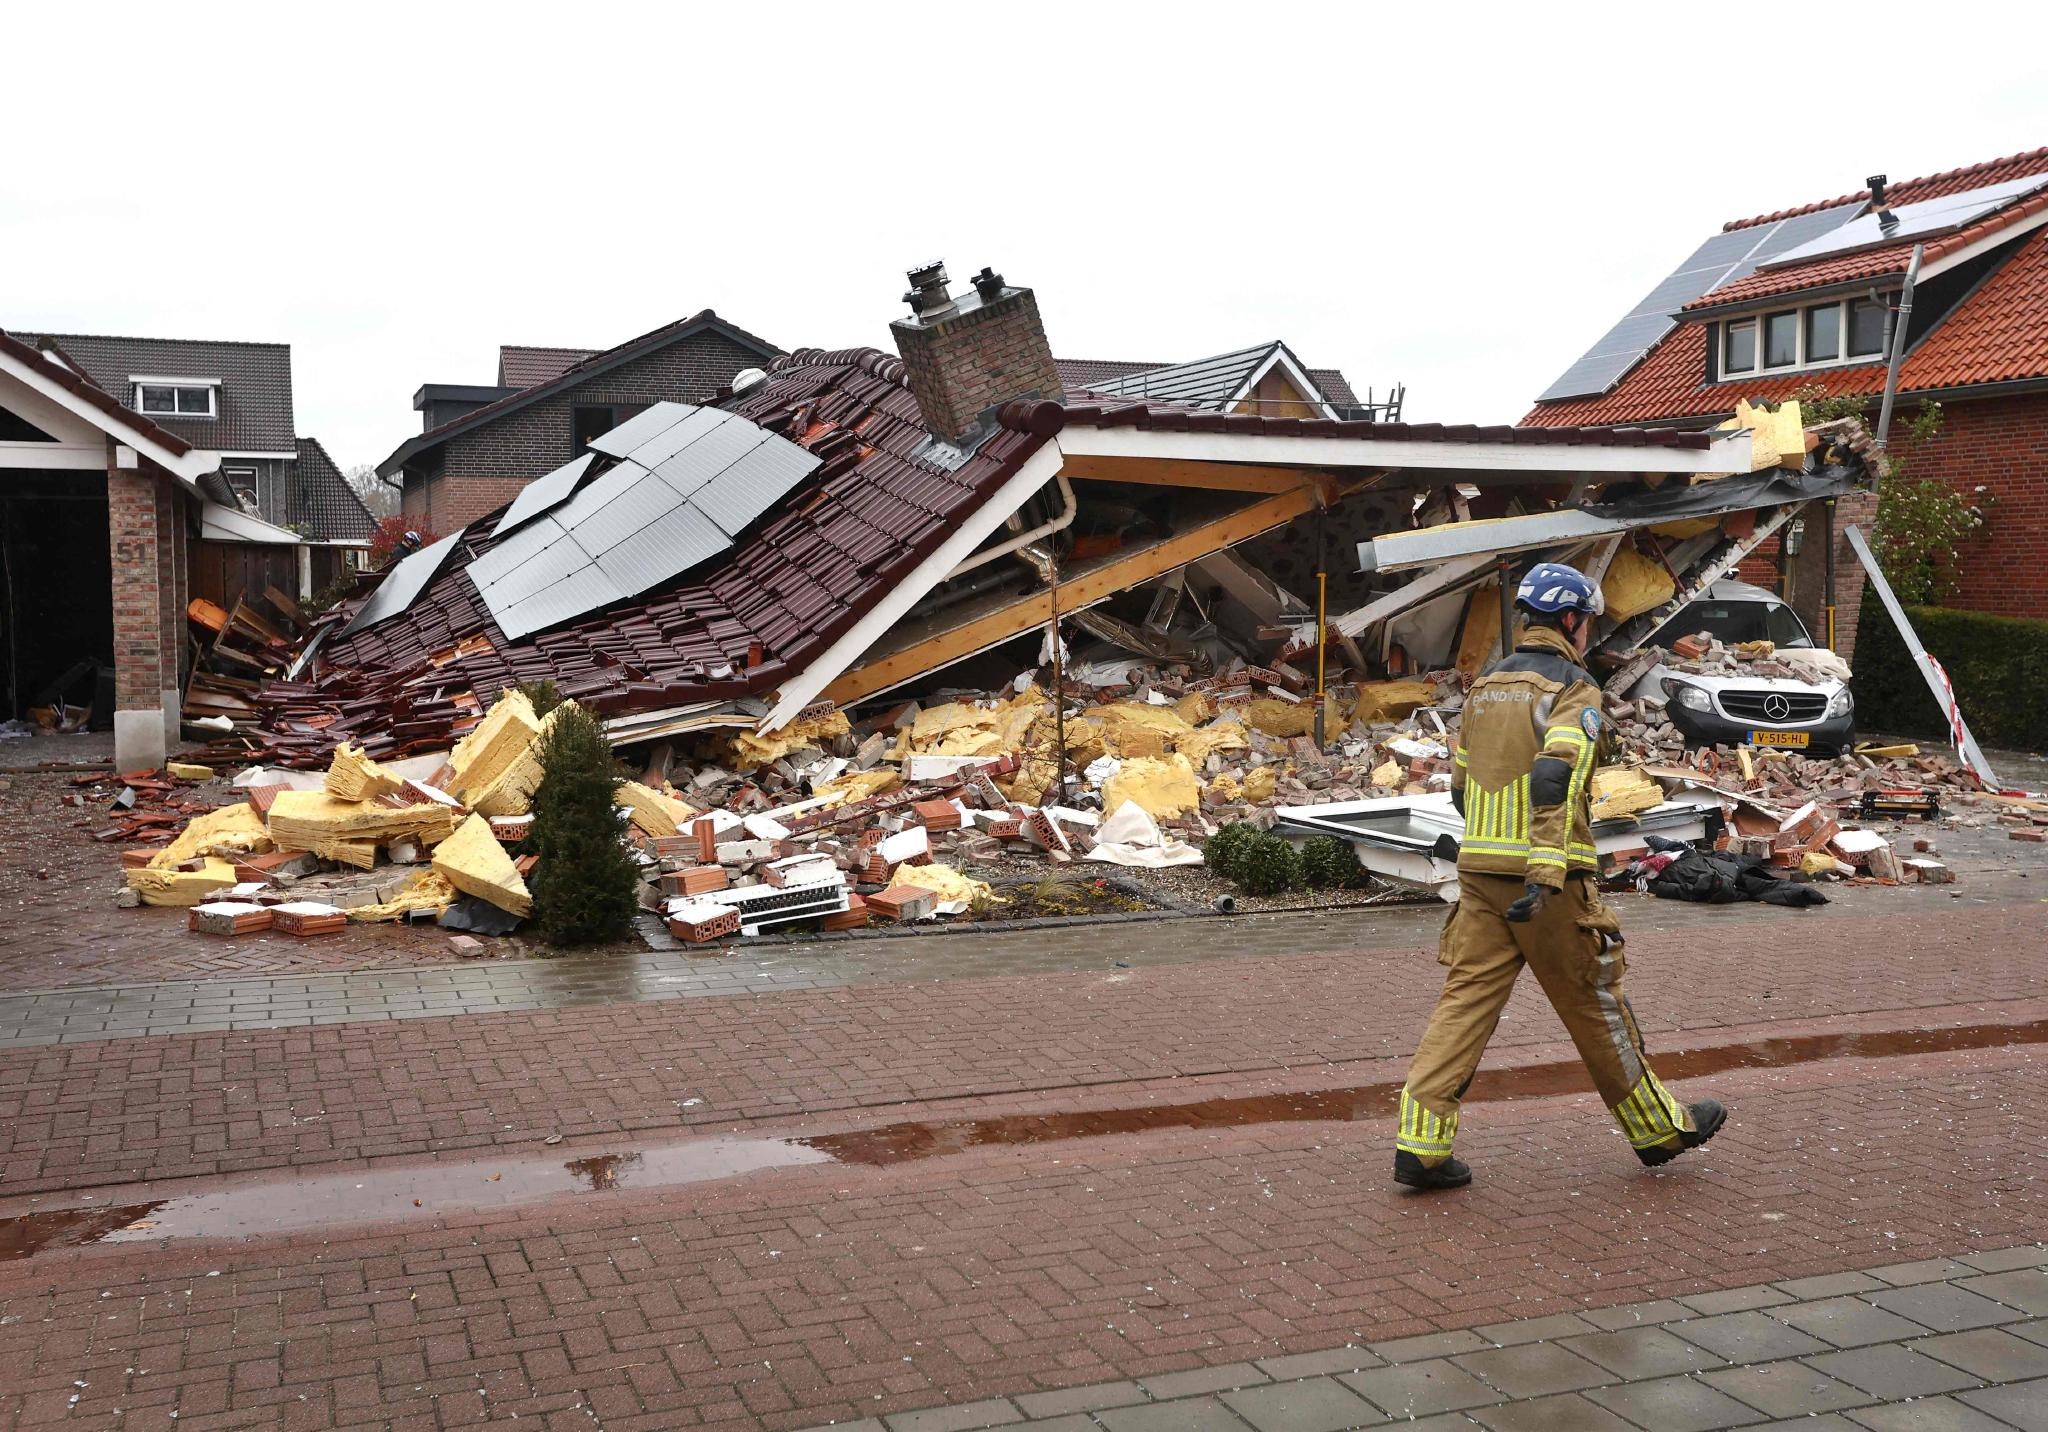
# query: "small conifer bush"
1269,866
1328,863
1223,851
585,888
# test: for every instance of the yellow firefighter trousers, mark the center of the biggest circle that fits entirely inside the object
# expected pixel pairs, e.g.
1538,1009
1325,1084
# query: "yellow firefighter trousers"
1574,946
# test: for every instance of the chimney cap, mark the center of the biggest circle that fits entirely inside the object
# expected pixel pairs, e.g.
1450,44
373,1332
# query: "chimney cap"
928,297
1875,183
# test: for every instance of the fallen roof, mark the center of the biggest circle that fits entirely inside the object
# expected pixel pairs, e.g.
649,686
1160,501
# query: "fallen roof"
704,321
740,626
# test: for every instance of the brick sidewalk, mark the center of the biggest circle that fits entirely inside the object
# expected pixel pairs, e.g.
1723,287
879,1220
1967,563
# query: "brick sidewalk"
1938,1343
794,1297
173,1106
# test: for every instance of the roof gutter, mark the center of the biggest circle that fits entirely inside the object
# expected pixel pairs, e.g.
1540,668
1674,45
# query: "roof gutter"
1900,323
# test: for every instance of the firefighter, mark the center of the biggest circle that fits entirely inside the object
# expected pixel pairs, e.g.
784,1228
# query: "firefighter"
1531,738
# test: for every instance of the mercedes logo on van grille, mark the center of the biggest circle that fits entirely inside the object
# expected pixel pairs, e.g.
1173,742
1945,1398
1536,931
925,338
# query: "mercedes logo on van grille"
1777,707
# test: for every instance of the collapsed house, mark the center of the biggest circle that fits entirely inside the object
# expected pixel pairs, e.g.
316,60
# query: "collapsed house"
874,607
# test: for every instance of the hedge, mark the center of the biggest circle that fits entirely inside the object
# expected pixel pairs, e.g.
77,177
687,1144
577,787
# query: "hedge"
1999,666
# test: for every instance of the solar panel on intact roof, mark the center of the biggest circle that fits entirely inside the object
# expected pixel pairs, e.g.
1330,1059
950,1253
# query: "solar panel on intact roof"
1914,221
1721,260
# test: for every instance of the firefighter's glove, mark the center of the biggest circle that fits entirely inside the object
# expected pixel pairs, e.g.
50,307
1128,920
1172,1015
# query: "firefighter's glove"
1524,909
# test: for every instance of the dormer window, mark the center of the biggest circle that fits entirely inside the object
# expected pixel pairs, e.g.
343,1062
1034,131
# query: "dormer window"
178,397
1819,335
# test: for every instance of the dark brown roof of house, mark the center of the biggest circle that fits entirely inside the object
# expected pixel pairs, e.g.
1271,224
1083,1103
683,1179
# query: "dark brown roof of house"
522,365
83,387
255,396
322,504
702,321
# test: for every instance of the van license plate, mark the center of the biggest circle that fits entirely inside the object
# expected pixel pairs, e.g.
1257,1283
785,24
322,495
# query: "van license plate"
1778,738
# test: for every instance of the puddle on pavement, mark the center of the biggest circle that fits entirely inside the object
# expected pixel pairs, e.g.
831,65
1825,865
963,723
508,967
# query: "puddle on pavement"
393,1194
899,1143
422,1192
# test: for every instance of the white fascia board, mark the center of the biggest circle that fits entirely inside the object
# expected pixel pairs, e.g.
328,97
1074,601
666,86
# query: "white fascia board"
218,523
1990,241
285,456
1729,452
801,690
53,456
1303,384
189,468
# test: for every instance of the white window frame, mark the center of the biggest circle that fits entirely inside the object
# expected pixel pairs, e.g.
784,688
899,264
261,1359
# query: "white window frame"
211,387
1755,321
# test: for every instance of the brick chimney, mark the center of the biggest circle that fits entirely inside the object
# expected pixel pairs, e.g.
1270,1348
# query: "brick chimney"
966,354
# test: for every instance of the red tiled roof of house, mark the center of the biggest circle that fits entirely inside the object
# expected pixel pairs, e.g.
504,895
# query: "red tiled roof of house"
1997,334
1930,186
1871,263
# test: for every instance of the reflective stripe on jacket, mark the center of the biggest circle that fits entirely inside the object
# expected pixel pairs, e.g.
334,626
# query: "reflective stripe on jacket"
1531,736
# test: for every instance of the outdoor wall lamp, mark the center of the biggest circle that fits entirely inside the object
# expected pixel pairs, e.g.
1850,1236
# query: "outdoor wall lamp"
1795,537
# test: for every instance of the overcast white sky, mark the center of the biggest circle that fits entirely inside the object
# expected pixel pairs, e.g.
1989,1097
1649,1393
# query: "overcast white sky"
1450,196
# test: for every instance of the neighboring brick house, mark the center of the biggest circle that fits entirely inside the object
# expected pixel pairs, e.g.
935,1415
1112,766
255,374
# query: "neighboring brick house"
97,512
234,399
1808,298
481,444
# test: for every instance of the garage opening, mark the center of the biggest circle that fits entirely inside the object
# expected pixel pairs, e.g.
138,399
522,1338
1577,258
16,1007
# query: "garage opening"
56,595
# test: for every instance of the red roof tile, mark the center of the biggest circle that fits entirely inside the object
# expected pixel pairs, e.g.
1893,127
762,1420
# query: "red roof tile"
738,627
1871,263
1997,334
1930,186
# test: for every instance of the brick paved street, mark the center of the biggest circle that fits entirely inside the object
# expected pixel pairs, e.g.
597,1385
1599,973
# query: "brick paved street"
1120,1240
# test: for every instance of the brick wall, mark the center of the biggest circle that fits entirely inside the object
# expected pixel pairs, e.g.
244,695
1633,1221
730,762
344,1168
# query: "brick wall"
960,366
476,471
2002,445
141,579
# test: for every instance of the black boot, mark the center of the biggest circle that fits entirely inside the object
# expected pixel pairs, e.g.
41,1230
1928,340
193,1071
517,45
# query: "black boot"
1707,1118
1410,1171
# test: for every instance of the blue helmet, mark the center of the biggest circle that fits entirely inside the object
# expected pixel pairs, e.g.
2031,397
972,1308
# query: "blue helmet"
1554,587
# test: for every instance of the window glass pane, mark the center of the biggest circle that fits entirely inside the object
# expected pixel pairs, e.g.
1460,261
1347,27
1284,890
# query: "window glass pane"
159,400
1824,333
1741,347
1781,339
1866,327
1784,628
195,400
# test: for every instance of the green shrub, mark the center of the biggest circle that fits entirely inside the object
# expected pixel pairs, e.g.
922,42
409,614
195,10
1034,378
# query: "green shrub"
1223,851
1999,666
585,887
542,694
1269,866
1328,863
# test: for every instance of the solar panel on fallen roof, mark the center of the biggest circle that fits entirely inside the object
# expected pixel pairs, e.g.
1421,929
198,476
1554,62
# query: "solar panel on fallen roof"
543,493
403,586
633,528
666,444
1722,259
1913,221
640,427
